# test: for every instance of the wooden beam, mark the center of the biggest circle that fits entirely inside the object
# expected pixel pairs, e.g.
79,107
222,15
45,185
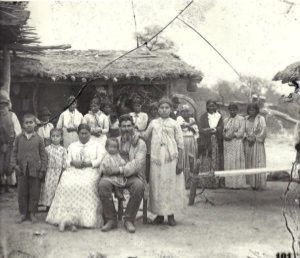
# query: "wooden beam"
19,47
239,172
6,70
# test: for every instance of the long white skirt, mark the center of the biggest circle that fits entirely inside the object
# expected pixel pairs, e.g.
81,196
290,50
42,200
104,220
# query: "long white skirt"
167,190
76,199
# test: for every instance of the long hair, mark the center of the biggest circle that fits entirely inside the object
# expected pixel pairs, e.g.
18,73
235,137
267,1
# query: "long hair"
253,106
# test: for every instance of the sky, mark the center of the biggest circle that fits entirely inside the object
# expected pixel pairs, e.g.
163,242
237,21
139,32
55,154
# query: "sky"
258,37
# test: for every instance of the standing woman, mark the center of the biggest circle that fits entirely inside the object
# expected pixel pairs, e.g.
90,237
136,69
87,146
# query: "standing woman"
98,122
76,201
234,156
255,154
210,144
166,178
189,130
69,121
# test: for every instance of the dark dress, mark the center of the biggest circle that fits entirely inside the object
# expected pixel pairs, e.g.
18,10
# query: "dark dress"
210,151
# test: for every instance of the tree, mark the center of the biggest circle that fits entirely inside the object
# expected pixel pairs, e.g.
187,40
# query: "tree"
159,42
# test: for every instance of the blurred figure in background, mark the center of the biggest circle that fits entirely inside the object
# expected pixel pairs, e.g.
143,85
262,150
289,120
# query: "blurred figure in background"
234,156
69,121
210,144
175,108
255,153
113,120
189,130
45,126
9,129
139,118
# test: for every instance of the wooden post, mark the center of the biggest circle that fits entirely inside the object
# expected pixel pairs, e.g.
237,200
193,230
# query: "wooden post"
6,70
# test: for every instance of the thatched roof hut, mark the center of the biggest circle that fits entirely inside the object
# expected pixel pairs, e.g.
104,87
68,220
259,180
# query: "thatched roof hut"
64,65
289,74
35,78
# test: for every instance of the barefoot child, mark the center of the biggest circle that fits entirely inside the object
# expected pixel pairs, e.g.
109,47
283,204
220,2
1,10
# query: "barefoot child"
167,189
113,159
57,156
29,160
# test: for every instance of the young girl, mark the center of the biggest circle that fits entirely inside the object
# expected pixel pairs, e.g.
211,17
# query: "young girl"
57,156
69,121
113,159
98,122
167,189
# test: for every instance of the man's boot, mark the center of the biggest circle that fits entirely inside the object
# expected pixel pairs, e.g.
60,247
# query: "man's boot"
109,225
129,226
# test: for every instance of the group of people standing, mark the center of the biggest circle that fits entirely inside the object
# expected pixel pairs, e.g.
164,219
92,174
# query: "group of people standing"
235,142
84,160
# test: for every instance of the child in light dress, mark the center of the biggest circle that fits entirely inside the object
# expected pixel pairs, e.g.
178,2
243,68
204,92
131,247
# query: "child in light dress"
113,159
57,156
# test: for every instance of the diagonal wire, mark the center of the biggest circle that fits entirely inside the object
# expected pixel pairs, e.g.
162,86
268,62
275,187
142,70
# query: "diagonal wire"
84,86
218,52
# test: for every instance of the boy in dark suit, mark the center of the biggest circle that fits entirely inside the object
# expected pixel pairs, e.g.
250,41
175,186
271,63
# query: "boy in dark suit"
29,159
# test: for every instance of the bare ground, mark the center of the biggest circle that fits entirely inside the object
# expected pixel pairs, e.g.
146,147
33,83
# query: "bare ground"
241,223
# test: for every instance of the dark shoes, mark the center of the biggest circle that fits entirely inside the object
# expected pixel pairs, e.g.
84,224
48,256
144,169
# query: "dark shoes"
158,220
129,226
171,221
21,219
109,225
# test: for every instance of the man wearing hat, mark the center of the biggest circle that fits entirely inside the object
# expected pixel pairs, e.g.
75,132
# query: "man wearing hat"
44,126
175,104
139,118
9,128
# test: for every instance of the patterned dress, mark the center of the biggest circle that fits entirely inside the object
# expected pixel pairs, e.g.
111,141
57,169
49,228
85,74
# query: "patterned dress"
255,154
234,157
167,189
76,199
57,158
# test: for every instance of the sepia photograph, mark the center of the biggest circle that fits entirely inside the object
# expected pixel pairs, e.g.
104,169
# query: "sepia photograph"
150,129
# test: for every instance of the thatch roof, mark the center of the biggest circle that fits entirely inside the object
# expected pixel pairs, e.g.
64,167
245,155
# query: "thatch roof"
62,65
289,74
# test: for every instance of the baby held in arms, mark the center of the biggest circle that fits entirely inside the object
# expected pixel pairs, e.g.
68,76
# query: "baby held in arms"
110,160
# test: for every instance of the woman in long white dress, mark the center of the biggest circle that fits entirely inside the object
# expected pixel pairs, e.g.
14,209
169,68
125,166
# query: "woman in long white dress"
76,201
234,156
69,121
167,189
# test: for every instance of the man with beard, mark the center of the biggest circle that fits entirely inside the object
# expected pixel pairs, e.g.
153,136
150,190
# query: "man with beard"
133,171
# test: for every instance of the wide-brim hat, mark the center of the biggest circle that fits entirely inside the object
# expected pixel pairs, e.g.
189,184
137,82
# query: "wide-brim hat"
45,112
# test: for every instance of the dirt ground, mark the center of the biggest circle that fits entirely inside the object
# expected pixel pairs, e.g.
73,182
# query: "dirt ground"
241,223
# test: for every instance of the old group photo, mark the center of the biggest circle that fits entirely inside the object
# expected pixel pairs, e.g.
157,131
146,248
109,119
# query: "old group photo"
149,129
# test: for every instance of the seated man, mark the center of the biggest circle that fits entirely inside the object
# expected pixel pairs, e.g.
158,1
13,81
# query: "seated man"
133,170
